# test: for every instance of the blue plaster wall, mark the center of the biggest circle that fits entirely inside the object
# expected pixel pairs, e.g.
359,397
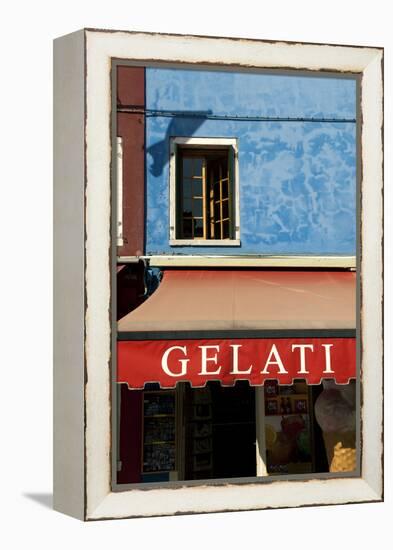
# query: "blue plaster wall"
297,179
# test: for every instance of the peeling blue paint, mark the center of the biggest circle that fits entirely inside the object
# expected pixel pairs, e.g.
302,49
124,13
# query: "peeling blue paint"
297,179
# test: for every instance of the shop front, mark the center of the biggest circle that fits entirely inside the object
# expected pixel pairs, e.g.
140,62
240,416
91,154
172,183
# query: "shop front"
238,373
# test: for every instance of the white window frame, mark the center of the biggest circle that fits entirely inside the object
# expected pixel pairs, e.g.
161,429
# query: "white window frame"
119,172
206,143
83,326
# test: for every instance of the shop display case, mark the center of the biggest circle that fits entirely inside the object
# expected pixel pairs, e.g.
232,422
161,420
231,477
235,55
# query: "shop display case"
289,428
159,436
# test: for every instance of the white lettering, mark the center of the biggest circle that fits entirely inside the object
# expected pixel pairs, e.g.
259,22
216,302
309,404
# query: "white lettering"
206,359
328,369
183,362
235,362
277,361
303,348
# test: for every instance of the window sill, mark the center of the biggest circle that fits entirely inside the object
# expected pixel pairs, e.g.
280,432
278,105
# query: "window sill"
204,242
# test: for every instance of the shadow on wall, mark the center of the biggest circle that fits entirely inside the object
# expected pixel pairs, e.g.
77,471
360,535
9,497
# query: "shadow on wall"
183,124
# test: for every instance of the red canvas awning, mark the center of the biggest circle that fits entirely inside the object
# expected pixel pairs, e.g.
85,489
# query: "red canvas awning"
249,325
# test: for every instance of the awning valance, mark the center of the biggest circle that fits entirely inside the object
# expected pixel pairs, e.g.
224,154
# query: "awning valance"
241,325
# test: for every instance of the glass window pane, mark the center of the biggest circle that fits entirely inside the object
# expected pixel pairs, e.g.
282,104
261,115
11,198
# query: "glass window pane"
187,208
225,209
214,171
197,208
197,164
187,188
225,228
197,188
198,171
224,167
217,214
187,229
216,190
225,189
198,228
187,167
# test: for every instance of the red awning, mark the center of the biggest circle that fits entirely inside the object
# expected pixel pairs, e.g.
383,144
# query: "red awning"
241,325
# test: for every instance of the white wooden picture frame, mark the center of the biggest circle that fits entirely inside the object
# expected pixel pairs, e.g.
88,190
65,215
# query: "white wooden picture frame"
82,245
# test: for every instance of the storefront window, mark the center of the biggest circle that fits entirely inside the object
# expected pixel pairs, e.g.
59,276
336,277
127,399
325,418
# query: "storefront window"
211,433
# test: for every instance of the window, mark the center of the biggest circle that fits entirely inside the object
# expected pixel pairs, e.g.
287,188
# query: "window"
204,195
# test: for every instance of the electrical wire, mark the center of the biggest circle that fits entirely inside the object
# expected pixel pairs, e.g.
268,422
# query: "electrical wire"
208,115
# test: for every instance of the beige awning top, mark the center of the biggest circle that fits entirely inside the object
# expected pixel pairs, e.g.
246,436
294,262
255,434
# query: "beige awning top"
241,300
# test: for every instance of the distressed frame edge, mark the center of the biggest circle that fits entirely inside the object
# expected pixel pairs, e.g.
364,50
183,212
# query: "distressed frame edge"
203,505
375,489
371,270
69,488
